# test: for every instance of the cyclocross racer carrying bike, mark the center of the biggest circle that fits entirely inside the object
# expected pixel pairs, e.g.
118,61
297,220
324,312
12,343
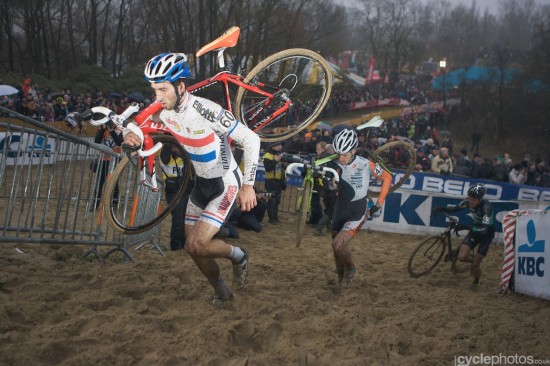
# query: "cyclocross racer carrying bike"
203,128
350,211
481,233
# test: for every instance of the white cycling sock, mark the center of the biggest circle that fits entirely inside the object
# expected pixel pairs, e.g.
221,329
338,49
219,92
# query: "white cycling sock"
236,254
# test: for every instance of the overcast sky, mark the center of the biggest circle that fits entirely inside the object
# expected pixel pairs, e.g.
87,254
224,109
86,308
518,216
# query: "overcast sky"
492,5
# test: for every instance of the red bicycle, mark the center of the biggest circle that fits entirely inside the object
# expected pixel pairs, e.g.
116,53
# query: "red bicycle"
277,99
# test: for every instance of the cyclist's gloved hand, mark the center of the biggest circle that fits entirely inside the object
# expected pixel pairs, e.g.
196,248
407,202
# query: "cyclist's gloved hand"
374,209
460,227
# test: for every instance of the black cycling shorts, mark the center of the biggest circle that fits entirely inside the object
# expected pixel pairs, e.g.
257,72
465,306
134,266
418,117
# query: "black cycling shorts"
483,240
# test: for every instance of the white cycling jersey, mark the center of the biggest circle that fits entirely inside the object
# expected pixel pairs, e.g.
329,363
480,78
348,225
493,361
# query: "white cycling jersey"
203,128
355,179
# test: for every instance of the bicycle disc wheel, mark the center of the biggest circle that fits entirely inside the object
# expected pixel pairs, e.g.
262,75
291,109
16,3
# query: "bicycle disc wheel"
399,157
296,76
302,213
426,256
131,205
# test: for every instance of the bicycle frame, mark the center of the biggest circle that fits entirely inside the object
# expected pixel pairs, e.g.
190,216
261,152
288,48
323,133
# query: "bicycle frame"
312,166
226,78
433,248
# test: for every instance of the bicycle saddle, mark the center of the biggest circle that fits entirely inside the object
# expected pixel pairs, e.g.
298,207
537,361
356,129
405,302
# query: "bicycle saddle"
228,39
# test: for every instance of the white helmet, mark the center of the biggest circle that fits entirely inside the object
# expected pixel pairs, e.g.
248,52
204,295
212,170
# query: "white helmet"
167,67
345,141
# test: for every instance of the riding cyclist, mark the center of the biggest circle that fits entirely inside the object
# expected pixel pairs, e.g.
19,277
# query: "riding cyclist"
350,211
481,234
203,128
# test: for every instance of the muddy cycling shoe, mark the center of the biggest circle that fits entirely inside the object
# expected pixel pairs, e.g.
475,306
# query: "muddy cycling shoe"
448,256
348,276
240,271
218,300
221,291
318,232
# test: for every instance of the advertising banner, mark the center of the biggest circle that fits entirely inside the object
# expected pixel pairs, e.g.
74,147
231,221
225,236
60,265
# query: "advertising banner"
532,270
25,148
408,210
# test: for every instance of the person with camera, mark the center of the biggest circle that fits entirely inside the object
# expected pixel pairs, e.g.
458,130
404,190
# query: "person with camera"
518,174
274,180
110,136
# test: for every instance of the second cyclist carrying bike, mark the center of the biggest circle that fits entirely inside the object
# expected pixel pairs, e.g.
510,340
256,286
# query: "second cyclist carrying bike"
203,128
350,211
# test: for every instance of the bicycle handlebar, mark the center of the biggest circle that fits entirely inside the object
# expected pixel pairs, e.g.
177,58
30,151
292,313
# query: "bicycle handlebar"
117,119
121,121
454,226
321,170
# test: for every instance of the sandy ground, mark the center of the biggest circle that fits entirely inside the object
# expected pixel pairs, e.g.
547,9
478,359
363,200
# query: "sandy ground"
59,309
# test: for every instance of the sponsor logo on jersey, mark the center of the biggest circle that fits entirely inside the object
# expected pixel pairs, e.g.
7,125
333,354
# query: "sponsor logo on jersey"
198,132
377,169
204,112
173,124
223,156
252,175
227,200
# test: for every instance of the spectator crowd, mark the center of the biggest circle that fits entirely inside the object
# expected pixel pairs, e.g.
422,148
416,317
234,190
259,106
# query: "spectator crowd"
435,150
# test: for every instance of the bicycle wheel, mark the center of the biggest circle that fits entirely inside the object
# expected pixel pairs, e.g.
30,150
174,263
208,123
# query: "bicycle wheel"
131,205
399,157
298,76
426,256
302,211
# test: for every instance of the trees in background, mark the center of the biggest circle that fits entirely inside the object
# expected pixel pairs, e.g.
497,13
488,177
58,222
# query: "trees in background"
54,38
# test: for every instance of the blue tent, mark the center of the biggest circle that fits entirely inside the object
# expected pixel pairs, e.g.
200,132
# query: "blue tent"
473,74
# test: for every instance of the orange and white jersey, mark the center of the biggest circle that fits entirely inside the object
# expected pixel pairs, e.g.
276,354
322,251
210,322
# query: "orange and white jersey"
355,178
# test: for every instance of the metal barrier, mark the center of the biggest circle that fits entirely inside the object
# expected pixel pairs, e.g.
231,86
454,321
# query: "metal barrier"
49,186
288,197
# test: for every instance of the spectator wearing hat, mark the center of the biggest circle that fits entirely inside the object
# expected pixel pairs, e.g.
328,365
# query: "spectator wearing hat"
312,144
433,152
274,179
423,163
463,165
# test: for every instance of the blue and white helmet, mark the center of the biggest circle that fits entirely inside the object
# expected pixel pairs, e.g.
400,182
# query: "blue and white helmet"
167,67
345,141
